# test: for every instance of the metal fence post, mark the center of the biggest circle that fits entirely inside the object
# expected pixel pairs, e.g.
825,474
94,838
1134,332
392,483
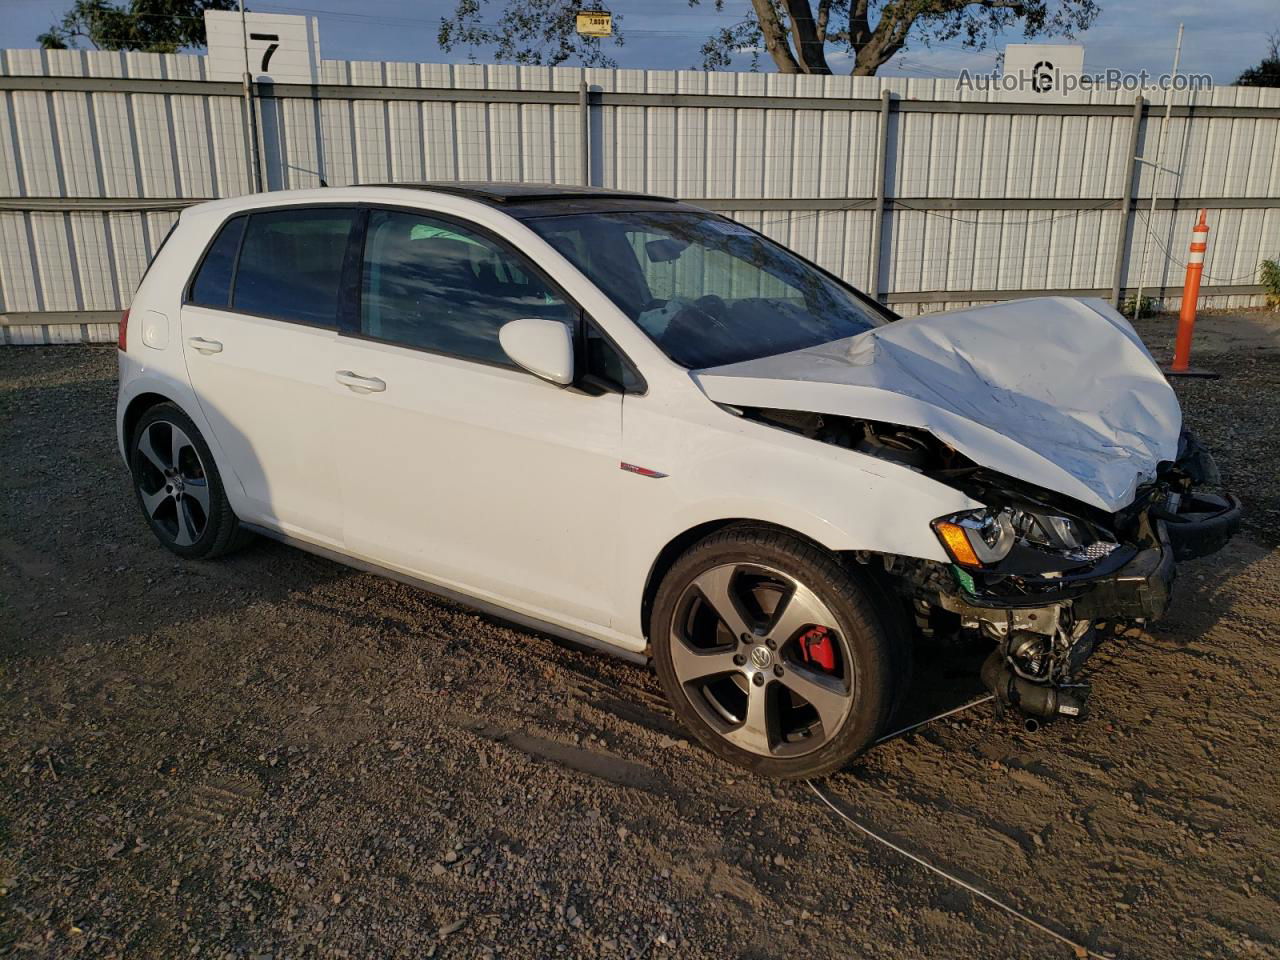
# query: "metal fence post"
584,119
251,119
1127,201
877,214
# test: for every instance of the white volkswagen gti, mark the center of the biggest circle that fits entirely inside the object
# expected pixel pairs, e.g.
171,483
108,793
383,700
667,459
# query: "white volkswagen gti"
642,426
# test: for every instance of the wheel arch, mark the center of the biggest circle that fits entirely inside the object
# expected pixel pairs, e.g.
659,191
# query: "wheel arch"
681,542
136,409
132,407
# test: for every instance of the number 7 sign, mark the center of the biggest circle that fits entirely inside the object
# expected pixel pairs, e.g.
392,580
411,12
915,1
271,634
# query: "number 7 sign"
275,48
274,40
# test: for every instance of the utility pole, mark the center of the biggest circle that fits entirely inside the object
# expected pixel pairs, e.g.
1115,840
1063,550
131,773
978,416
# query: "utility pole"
1155,179
251,112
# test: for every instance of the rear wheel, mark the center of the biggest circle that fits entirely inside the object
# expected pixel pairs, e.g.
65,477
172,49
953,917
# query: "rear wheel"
179,488
773,653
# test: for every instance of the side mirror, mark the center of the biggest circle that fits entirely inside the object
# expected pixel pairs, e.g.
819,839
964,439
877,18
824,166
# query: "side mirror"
543,347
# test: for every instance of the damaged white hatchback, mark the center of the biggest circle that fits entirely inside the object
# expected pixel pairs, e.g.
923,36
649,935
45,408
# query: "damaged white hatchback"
639,425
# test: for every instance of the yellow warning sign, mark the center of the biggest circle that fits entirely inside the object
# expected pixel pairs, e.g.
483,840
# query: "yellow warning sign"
595,23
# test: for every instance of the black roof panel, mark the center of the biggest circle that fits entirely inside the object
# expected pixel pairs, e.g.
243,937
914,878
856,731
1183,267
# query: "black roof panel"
521,193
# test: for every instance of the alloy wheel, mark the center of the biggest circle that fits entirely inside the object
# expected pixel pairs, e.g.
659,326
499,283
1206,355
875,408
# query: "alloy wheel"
172,482
760,657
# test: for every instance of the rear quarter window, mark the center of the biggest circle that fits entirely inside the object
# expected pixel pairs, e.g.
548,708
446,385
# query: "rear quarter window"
211,286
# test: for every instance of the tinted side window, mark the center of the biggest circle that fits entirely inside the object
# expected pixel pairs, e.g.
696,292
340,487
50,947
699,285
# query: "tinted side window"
291,265
212,285
436,285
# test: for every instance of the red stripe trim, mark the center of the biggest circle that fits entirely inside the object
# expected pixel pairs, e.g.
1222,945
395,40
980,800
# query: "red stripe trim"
642,471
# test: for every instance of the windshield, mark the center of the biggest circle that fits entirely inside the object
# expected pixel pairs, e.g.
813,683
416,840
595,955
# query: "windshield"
708,291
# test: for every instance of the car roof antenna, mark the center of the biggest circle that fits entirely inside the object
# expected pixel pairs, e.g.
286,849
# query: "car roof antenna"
314,173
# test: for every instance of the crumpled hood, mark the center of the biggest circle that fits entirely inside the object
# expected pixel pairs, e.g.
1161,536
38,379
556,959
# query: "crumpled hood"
1058,392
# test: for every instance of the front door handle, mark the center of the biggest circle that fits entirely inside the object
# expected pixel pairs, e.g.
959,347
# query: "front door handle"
205,346
359,384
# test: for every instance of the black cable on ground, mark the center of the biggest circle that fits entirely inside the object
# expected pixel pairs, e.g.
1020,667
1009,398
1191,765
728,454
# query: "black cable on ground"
1081,951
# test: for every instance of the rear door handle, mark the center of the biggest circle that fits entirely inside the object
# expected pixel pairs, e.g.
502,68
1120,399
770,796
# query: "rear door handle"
205,346
359,384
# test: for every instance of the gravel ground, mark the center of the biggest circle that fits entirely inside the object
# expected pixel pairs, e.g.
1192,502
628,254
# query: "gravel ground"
271,755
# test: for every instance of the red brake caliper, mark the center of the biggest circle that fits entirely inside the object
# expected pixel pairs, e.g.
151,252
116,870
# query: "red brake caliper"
816,648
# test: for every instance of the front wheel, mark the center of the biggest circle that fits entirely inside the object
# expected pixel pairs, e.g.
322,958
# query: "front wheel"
777,657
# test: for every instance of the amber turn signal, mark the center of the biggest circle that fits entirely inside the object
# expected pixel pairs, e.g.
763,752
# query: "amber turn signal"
957,543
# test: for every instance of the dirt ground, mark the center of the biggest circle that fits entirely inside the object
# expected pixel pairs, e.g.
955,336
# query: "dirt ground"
273,756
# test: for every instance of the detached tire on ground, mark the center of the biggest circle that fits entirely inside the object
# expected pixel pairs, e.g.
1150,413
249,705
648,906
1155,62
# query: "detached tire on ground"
775,655
178,486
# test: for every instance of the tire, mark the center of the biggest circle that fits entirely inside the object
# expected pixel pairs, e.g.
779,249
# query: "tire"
178,487
799,624
1203,525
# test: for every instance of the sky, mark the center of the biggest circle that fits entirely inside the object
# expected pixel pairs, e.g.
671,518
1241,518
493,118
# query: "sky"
1222,38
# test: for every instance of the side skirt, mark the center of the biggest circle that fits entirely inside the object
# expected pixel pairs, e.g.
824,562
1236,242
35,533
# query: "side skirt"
484,606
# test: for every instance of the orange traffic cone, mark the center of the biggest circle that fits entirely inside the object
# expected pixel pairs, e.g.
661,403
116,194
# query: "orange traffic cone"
1181,366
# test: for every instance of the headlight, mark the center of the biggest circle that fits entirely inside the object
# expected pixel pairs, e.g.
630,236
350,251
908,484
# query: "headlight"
982,538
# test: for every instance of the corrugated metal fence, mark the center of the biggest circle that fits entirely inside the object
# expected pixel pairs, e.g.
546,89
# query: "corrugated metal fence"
928,196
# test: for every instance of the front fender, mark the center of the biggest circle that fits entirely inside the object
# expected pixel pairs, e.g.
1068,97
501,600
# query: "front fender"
738,469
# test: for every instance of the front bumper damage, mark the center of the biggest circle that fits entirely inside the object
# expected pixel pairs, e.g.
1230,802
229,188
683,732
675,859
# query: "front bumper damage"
1045,627
1136,581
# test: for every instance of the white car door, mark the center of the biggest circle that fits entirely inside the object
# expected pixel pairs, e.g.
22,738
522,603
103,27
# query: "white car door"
457,466
259,328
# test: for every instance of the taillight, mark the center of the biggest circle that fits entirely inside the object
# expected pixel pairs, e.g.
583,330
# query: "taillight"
122,340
